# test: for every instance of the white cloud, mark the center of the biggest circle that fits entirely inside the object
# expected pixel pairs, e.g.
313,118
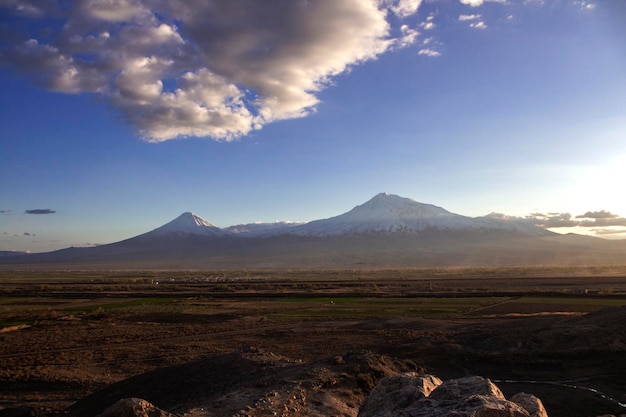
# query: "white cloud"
585,5
472,3
409,36
29,8
114,10
476,3
478,25
429,52
428,24
602,219
466,17
405,8
204,68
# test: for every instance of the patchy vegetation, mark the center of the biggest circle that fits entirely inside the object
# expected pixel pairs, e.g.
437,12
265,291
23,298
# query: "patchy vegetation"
73,334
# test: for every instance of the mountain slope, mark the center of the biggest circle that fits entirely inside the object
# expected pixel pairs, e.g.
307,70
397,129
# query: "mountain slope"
390,214
186,224
262,229
385,232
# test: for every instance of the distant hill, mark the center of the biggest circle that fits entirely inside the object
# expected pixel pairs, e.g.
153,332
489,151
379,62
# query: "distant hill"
10,253
386,231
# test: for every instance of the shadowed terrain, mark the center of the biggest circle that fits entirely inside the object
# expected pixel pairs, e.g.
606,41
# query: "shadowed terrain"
217,343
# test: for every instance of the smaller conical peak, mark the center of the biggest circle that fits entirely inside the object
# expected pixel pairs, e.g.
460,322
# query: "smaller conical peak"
192,218
189,223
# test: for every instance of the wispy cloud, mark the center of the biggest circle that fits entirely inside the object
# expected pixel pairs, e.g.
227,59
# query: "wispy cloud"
5,212
585,5
429,52
476,3
40,211
429,23
465,17
474,20
478,25
429,47
203,68
409,35
612,232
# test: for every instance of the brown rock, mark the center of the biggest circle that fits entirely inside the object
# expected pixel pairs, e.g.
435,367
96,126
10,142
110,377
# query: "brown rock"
397,392
532,404
465,387
411,395
134,407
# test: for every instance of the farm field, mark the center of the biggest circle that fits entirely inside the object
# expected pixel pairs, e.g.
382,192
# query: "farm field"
65,335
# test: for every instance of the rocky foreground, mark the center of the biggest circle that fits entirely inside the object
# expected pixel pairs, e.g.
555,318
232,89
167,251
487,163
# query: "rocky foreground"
405,395
359,384
587,351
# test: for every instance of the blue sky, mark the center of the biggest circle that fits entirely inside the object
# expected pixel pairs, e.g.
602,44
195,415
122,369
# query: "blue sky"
118,115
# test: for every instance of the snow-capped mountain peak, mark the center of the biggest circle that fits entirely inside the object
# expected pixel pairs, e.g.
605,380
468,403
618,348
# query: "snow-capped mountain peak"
387,213
189,223
383,214
385,204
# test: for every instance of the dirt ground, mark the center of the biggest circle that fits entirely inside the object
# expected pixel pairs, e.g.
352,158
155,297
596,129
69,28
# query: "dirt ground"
68,336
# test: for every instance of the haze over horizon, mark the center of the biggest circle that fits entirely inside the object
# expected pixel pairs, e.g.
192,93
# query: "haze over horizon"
119,115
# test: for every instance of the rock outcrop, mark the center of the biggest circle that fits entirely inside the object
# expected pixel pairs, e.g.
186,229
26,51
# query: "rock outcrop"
412,395
252,383
134,407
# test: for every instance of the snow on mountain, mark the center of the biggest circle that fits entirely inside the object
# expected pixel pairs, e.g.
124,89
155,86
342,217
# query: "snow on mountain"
188,223
262,229
388,213
514,224
383,214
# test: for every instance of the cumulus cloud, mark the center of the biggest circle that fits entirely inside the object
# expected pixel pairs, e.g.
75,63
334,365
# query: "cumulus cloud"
600,219
548,220
39,211
405,8
614,221
202,68
602,214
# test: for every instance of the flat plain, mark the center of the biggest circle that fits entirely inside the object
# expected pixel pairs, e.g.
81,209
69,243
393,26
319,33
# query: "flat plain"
65,335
